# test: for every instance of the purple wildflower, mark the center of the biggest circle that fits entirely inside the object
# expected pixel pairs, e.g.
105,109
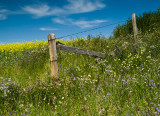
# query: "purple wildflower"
151,80
122,70
11,113
141,111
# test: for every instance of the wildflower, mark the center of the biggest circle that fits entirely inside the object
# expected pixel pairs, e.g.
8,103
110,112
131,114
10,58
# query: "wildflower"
153,84
122,70
108,94
151,80
141,111
126,83
158,110
108,71
21,105
44,99
151,103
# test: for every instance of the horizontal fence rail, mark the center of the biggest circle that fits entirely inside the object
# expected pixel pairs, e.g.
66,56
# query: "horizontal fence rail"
80,51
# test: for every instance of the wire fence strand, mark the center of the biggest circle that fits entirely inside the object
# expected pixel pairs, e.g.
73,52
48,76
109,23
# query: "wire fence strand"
89,30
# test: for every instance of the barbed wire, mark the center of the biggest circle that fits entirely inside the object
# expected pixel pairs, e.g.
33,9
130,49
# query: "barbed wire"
46,47
89,30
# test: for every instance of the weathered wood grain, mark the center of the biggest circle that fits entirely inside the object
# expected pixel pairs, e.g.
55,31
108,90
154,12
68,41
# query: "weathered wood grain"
135,30
80,51
53,55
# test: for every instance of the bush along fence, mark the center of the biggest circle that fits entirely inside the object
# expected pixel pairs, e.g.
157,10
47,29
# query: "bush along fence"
53,45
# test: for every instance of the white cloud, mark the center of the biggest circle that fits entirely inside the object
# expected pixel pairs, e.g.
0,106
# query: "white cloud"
42,10
3,14
82,6
37,10
73,7
47,29
57,20
3,17
79,23
87,24
3,10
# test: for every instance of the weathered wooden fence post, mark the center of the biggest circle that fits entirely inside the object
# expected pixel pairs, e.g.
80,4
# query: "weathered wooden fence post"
135,30
53,55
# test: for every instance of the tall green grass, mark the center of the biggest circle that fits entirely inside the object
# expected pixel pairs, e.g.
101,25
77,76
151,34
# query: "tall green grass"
127,82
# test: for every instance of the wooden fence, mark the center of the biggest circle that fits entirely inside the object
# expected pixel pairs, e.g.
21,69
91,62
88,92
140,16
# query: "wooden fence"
53,46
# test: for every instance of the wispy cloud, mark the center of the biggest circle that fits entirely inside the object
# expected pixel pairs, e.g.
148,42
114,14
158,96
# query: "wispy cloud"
58,20
87,24
38,10
73,7
3,10
79,23
3,17
3,14
42,10
82,6
47,29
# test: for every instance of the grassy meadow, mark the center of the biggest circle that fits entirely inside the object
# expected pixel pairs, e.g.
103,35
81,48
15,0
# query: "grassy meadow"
125,83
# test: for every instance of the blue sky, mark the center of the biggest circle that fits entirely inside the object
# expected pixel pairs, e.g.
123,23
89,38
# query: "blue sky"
31,20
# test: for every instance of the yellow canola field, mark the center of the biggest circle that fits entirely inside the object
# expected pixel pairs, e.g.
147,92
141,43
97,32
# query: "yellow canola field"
11,48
